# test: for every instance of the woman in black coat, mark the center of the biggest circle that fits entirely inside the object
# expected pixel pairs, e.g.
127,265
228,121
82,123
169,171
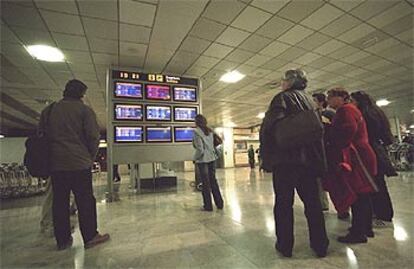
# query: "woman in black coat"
380,136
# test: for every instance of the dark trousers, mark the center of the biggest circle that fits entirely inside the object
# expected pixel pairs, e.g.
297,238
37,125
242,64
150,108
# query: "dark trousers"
80,183
381,200
251,163
361,215
208,177
285,180
117,177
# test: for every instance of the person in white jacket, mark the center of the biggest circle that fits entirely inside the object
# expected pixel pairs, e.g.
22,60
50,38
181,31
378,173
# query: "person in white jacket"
204,158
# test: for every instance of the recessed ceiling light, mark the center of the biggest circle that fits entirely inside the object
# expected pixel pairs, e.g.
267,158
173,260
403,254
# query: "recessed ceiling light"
383,102
412,126
1,136
412,110
45,53
261,115
232,77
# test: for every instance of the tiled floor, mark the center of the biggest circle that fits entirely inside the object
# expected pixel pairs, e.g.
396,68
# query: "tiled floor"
167,230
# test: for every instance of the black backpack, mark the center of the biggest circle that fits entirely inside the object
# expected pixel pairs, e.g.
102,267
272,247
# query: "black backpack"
36,158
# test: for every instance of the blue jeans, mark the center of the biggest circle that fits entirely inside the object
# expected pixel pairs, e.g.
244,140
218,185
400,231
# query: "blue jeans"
208,177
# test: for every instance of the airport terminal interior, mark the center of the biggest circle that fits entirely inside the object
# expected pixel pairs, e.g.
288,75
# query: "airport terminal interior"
150,66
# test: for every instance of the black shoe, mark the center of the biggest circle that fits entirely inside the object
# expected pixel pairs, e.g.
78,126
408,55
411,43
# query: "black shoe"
343,216
206,209
284,253
67,245
352,239
369,234
321,253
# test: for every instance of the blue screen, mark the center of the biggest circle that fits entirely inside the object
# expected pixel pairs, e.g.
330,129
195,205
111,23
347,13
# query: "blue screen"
128,112
183,134
158,113
185,113
185,94
130,90
159,134
128,134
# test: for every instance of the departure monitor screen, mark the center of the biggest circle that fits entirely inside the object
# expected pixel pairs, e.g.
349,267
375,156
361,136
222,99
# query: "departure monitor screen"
128,112
158,113
184,94
158,134
183,134
185,113
128,90
128,134
158,92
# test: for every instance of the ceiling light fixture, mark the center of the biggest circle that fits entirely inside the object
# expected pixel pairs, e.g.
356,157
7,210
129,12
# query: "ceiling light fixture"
45,53
232,77
1,136
412,126
383,102
261,115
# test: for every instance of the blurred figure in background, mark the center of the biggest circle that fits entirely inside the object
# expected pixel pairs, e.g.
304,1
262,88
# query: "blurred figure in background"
250,154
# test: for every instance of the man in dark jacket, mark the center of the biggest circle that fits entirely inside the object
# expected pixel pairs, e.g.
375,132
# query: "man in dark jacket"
73,134
292,169
250,154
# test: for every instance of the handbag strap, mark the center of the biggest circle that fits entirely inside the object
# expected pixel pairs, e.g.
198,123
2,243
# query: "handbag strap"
47,118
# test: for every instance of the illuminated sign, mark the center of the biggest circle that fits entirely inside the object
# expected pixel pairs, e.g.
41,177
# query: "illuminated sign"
127,75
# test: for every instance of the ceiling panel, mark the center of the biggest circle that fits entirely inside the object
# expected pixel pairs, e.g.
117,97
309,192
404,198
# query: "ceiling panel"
66,6
134,33
275,48
270,6
298,10
295,35
101,28
107,10
71,42
232,37
313,41
255,43
251,19
275,27
340,25
207,29
218,50
322,17
134,12
239,56
17,15
370,8
223,11
62,23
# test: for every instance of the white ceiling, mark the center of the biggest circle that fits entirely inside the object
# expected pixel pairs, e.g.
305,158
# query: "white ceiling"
356,44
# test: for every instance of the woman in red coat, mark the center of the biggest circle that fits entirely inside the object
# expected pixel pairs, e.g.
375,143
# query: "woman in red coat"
352,166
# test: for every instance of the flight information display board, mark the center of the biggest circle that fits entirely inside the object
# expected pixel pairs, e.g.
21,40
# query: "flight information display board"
150,118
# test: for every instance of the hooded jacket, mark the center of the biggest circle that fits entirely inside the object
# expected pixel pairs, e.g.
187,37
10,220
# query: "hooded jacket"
284,104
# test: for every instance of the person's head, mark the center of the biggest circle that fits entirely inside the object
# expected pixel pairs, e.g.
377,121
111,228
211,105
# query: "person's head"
75,89
362,100
294,79
320,100
337,97
251,146
201,122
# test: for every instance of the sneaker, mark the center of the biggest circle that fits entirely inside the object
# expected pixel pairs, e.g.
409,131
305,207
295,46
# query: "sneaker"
98,239
284,253
352,239
67,245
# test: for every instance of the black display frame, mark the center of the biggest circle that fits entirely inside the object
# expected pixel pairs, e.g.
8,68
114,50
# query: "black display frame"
149,141
155,99
129,104
185,101
130,142
178,106
182,127
129,97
